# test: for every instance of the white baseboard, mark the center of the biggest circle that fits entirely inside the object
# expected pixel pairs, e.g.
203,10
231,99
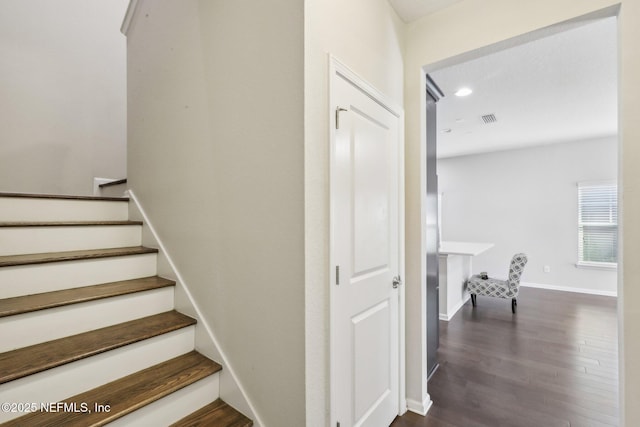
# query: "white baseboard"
128,17
257,421
420,408
570,289
455,310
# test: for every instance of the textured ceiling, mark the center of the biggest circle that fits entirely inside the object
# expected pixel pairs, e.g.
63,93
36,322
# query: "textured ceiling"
558,88
410,10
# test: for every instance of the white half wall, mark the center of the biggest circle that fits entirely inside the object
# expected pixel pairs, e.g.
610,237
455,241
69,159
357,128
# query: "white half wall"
63,94
526,200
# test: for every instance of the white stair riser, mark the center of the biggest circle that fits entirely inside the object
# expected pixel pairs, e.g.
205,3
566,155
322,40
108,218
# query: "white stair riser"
33,240
60,383
38,278
13,209
47,325
113,191
173,407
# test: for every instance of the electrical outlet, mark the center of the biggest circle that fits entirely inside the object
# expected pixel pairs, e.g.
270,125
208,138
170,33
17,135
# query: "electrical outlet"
547,269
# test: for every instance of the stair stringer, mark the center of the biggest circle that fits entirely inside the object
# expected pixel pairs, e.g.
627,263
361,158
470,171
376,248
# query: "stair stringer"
231,389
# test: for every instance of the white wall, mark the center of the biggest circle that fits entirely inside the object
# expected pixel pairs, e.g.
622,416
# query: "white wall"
367,36
216,160
63,94
526,200
470,28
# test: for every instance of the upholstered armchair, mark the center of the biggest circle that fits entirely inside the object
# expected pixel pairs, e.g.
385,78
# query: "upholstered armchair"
489,287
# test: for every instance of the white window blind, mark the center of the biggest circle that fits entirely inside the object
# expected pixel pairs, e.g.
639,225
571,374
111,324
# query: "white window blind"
598,223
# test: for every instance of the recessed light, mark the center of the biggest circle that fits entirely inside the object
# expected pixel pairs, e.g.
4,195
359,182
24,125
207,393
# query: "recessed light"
460,120
464,91
446,130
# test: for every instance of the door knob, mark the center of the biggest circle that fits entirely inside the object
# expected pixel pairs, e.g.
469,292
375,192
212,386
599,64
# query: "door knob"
396,281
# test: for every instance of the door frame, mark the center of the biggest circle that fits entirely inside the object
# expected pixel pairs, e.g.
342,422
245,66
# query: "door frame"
338,69
454,53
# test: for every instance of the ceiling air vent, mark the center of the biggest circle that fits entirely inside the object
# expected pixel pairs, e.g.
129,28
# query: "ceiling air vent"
489,118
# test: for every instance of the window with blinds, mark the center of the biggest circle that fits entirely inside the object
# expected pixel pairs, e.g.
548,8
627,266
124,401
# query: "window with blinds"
598,224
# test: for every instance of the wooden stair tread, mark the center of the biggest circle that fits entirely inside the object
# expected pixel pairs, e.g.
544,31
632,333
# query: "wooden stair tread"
216,414
14,260
64,197
25,361
127,394
67,223
29,303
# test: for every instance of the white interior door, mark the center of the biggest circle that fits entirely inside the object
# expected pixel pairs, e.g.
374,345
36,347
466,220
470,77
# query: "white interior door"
365,250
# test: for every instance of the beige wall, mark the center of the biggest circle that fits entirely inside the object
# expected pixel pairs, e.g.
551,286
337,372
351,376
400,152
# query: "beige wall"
462,31
216,159
367,36
629,313
63,94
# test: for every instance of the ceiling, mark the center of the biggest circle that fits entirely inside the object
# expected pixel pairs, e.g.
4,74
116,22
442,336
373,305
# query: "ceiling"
554,89
410,10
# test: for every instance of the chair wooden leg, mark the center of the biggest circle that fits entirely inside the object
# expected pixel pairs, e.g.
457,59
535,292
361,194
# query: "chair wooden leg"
473,300
514,303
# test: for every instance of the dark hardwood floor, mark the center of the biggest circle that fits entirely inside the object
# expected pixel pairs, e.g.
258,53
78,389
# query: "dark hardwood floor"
554,363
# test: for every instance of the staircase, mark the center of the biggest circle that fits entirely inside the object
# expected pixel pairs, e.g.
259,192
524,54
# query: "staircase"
88,333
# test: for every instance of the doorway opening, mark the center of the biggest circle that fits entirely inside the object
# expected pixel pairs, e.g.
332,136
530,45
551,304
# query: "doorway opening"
510,175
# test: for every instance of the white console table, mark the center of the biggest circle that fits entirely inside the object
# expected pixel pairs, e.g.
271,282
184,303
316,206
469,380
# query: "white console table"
455,269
